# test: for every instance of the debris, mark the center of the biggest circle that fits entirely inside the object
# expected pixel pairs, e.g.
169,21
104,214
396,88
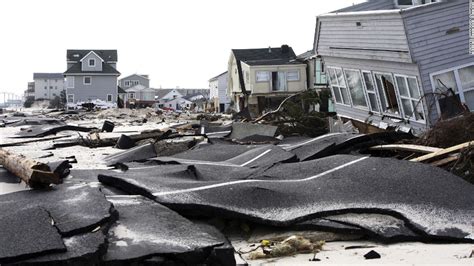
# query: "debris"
451,132
108,126
40,131
33,173
125,142
406,147
442,152
243,130
288,247
372,255
359,247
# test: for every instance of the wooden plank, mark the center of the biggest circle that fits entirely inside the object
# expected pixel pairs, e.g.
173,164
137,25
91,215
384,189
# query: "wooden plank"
33,173
406,147
442,152
445,161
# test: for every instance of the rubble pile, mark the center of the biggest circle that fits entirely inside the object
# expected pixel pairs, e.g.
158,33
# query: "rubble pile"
188,192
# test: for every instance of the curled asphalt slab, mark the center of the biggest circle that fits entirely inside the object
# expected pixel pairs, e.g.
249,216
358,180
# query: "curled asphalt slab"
41,131
75,209
27,233
433,203
146,229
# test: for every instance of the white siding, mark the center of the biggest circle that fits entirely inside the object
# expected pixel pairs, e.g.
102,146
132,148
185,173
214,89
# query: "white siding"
379,36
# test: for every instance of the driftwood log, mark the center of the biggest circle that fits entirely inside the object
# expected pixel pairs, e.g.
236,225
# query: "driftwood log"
33,173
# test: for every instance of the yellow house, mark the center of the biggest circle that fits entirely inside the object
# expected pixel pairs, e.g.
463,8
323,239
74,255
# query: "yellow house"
261,78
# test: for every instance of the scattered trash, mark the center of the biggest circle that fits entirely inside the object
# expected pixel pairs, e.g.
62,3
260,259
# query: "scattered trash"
125,142
108,126
288,247
372,255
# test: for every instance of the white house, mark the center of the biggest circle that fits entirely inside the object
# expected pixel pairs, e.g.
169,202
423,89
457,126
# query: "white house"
48,85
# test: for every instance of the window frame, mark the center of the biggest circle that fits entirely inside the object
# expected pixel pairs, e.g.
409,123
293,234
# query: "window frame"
126,83
385,97
72,79
84,80
67,98
262,81
410,98
89,62
377,99
456,78
329,68
363,89
297,71
111,98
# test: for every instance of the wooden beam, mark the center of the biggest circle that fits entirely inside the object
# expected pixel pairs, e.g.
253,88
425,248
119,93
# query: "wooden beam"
33,173
445,161
442,152
405,147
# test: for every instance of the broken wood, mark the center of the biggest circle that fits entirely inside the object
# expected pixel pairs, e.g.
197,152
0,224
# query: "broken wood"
33,140
405,147
276,110
445,161
33,173
442,152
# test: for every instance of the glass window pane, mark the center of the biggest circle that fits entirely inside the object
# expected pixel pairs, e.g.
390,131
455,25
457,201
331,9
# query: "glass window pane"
332,76
355,87
337,94
413,86
467,77
445,81
419,115
369,83
402,86
387,93
407,109
345,96
373,102
469,96
293,75
340,78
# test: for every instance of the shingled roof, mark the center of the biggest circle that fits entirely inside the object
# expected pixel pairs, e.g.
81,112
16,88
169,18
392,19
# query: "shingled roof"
48,76
106,69
262,56
107,55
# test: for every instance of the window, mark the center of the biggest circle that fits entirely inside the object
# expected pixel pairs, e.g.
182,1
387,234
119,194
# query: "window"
370,88
45,87
54,94
127,83
131,95
338,86
55,87
319,75
70,98
262,76
387,93
461,81
279,81
92,62
109,97
410,97
135,82
50,87
356,89
293,75
87,81
70,82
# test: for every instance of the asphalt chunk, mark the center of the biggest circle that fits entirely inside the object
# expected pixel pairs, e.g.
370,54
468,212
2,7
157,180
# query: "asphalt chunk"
27,233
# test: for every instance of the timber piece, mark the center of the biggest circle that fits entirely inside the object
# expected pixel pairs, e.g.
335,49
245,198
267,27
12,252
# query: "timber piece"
442,152
33,140
445,161
33,173
405,147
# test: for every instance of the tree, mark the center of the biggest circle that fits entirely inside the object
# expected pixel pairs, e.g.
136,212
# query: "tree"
29,101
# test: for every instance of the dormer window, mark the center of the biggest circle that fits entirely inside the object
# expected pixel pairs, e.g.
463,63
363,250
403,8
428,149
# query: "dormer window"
409,3
92,62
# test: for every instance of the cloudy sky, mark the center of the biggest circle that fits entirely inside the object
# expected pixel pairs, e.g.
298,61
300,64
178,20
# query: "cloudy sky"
178,43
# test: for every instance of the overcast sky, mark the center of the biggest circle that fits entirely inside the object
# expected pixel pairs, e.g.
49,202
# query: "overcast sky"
178,43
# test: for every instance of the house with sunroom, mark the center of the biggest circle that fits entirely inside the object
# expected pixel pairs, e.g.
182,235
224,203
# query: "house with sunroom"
91,75
398,63
259,79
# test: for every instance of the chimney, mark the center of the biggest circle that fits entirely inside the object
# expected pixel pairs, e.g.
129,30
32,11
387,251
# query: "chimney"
285,49
269,49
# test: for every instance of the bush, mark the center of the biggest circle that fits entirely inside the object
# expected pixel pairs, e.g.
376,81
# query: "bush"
29,101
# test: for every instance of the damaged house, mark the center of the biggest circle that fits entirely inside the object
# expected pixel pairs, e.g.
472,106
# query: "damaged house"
403,64
262,78
91,75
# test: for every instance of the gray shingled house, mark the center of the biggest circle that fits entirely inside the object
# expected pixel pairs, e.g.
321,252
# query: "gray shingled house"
91,75
399,63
